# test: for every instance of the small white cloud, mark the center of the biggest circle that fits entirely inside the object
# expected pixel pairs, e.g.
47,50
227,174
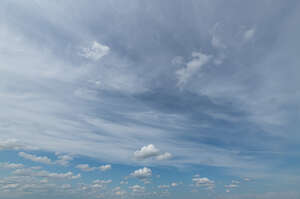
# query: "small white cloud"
146,152
235,182
102,181
247,179
34,158
8,165
123,182
142,173
184,74
45,174
205,182
85,167
64,160
249,34
231,186
95,52
163,186
137,188
174,184
120,193
105,167
164,156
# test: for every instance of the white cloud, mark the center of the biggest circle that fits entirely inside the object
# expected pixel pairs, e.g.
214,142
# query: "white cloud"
119,192
13,144
249,34
34,158
205,182
150,151
64,160
95,52
102,181
85,167
105,167
163,186
142,173
45,174
8,165
137,188
164,156
231,186
192,67
146,152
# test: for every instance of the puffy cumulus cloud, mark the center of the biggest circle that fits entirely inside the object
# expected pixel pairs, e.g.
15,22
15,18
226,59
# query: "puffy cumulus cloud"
137,188
203,182
105,167
45,174
142,173
150,151
164,156
34,158
85,167
192,67
64,160
8,165
146,152
95,52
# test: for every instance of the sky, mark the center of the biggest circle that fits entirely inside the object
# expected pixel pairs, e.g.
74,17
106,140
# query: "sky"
148,99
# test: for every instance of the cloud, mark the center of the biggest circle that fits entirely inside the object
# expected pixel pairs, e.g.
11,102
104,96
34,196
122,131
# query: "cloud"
85,167
192,67
102,181
8,165
64,160
249,34
164,156
203,182
105,167
137,189
231,186
34,158
45,174
163,186
150,151
142,173
95,52
14,144
146,152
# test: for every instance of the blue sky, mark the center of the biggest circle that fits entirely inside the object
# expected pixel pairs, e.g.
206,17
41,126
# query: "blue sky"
149,99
